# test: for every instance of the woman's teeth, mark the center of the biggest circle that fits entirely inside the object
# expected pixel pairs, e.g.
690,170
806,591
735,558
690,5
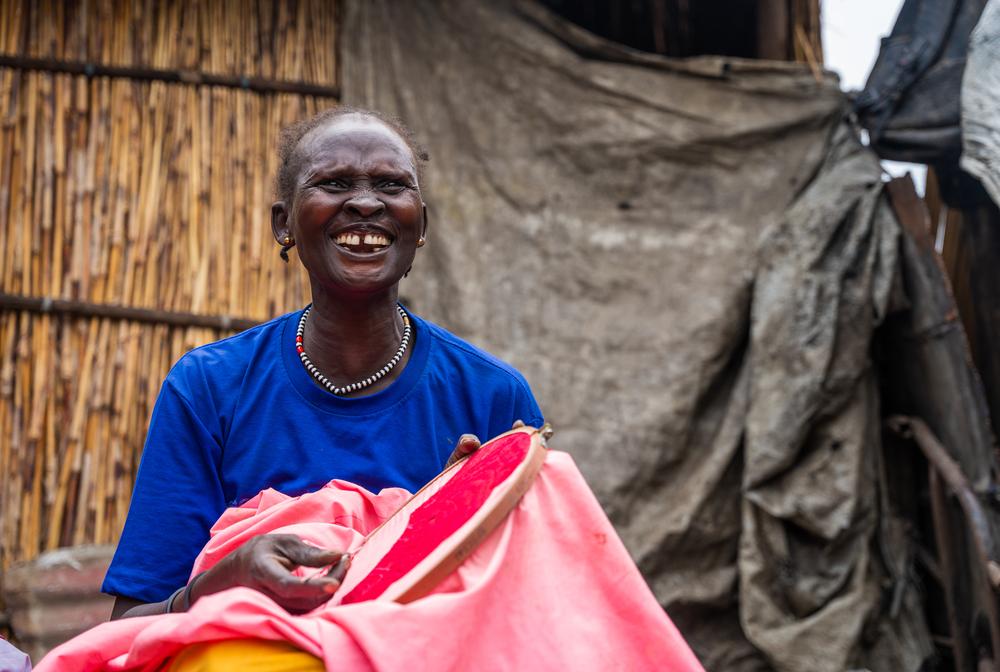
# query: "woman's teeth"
376,241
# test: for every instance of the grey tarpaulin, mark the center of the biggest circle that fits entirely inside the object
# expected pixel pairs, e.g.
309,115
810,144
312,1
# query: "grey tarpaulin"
687,259
981,102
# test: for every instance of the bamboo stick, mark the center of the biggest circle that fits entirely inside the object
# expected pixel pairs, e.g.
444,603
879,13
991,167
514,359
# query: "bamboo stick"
7,456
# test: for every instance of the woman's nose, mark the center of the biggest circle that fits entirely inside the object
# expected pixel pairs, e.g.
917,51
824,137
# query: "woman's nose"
365,205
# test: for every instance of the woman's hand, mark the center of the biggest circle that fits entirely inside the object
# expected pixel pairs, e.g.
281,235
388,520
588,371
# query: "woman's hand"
468,444
265,563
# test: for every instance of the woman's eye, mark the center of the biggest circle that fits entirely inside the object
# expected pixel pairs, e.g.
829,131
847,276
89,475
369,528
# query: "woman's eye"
392,186
335,185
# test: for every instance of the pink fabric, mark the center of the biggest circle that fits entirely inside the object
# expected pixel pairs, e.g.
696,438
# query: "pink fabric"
551,588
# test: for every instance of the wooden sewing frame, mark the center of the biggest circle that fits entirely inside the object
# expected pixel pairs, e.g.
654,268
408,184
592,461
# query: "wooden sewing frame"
407,556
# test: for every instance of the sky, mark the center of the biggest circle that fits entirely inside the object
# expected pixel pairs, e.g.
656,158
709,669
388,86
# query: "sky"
851,33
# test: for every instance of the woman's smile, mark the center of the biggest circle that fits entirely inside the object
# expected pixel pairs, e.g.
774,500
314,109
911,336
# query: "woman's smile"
364,240
356,215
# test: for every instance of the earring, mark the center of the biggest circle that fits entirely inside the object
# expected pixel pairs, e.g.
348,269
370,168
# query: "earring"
420,241
286,244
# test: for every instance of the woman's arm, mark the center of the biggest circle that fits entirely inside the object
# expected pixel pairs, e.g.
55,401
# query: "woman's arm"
126,607
177,496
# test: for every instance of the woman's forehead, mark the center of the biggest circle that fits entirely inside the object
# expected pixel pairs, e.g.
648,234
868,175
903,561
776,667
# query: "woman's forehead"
355,141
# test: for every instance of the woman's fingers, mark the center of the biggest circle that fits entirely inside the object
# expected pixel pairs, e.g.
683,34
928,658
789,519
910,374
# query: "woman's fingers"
298,596
301,553
276,555
467,444
338,571
293,592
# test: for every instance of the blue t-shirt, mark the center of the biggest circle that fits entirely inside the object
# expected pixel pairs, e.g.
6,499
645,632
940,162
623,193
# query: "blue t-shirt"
241,415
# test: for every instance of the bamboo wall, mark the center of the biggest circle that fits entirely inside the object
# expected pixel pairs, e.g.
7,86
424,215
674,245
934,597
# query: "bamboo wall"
141,193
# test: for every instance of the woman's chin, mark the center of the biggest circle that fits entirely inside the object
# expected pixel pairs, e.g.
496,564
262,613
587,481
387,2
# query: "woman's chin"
360,283
355,274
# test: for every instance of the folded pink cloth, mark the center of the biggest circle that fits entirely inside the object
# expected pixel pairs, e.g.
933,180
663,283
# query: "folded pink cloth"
551,588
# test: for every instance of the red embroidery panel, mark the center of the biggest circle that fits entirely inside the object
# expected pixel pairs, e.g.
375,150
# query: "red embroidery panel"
444,512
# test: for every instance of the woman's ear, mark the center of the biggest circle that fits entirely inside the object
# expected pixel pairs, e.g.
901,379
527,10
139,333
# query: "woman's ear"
279,223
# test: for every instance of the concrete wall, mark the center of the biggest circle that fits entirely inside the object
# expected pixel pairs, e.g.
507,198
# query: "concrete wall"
56,596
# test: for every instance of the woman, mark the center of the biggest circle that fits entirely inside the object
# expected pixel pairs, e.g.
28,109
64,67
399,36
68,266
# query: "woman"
353,387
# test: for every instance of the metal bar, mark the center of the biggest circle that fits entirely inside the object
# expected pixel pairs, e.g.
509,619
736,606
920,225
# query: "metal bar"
944,466
193,77
952,474
945,543
85,309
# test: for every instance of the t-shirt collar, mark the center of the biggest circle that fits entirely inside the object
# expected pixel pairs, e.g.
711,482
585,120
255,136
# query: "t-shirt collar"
372,403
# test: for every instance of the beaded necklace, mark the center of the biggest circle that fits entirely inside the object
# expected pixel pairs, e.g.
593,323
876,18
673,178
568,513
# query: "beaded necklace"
361,384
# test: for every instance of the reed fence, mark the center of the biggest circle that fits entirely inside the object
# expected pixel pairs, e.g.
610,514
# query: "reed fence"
150,193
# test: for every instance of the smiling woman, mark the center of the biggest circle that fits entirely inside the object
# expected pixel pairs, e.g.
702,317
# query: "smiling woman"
351,387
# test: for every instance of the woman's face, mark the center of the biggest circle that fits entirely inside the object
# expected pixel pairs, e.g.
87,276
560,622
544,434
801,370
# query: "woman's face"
357,213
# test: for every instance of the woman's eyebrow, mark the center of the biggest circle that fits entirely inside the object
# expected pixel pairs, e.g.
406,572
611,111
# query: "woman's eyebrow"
327,172
394,174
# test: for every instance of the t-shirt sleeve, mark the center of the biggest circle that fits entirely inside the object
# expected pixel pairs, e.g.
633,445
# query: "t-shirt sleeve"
512,401
177,497
525,407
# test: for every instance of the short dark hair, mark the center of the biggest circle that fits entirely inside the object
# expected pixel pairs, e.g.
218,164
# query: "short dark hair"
291,135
